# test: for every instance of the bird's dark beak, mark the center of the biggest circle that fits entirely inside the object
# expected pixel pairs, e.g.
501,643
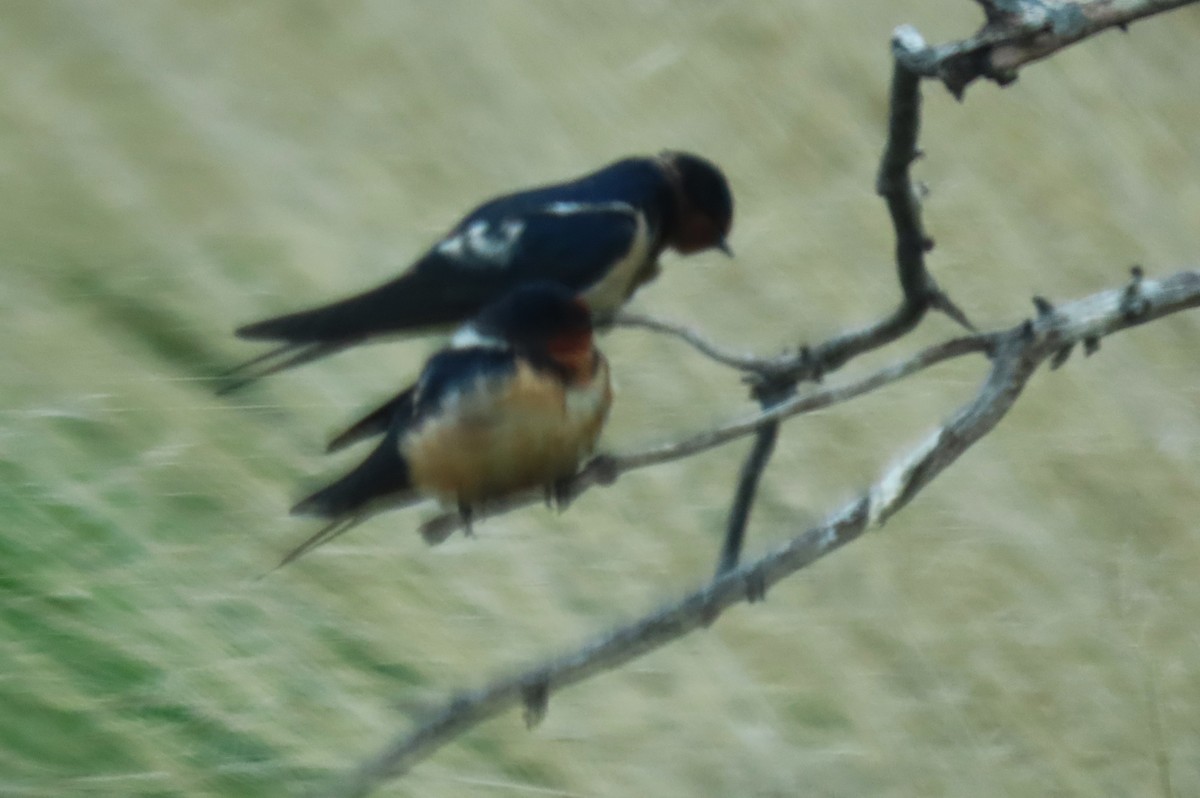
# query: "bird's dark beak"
723,245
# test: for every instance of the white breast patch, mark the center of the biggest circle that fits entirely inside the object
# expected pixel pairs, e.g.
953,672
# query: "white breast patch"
607,296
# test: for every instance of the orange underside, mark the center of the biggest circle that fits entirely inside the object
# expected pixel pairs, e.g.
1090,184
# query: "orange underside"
504,438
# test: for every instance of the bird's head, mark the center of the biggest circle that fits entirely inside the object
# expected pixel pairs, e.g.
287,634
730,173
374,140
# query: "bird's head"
704,212
542,320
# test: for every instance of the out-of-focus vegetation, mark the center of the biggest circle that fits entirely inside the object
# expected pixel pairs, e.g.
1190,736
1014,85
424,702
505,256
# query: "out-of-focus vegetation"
170,170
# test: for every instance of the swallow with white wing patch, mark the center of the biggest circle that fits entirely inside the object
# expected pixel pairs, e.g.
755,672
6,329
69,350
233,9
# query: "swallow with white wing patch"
514,403
599,235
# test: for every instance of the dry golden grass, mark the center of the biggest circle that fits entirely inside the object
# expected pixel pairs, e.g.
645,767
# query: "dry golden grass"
1026,628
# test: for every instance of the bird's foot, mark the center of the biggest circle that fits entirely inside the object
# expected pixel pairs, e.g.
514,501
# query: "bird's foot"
560,493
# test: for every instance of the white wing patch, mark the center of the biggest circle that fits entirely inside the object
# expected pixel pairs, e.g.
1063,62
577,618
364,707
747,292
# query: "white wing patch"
570,208
484,244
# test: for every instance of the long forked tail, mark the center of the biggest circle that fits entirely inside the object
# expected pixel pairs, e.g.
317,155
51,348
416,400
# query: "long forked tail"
323,535
382,480
282,357
418,298
379,482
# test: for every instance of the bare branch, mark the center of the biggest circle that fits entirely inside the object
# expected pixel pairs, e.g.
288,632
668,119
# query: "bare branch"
1016,355
1018,32
775,379
920,293
703,345
743,498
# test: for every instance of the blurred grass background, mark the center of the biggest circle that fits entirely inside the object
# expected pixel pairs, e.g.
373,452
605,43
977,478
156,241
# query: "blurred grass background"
170,170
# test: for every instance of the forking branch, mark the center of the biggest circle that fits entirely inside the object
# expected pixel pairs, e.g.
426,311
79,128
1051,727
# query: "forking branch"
1015,353
1016,32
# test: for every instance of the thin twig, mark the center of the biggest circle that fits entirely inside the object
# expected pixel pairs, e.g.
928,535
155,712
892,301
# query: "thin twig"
743,498
703,345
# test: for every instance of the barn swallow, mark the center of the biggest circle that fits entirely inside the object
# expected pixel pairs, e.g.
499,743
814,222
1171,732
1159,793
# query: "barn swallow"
515,402
599,235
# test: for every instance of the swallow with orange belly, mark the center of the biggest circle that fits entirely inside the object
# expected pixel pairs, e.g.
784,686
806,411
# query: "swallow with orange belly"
515,402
